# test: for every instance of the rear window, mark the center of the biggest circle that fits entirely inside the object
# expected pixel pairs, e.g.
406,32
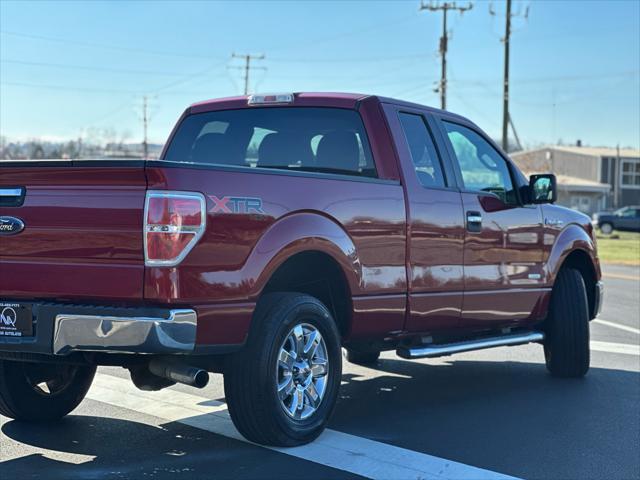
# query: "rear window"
328,140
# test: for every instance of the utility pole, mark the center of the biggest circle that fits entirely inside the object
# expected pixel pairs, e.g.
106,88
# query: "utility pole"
506,117
444,7
247,67
505,98
145,121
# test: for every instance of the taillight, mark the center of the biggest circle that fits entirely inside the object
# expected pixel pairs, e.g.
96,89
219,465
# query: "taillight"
173,224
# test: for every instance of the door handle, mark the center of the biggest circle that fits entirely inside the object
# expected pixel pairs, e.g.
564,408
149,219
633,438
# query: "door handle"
474,221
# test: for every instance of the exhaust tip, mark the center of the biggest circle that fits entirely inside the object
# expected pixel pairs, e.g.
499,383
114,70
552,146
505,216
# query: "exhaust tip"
180,372
201,379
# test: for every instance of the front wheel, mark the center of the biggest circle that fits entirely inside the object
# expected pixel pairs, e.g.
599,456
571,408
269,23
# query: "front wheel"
566,346
282,387
41,392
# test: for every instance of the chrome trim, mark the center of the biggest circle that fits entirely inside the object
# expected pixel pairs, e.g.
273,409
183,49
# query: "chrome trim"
10,192
430,351
553,222
101,333
197,232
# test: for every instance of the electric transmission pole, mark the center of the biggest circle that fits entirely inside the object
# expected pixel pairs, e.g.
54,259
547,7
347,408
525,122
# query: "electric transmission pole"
247,67
444,7
505,99
506,116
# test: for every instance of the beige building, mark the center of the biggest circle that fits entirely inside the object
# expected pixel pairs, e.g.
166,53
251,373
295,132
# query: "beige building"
589,178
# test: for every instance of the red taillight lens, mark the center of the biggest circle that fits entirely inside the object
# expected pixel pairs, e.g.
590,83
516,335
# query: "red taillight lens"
174,222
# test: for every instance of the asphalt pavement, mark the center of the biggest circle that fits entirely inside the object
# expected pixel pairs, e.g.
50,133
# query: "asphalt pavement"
488,414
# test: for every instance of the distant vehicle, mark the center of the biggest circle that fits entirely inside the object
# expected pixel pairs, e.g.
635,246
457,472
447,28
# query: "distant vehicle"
625,218
274,231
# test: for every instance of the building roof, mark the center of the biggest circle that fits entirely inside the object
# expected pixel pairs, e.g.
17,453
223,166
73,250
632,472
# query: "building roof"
589,151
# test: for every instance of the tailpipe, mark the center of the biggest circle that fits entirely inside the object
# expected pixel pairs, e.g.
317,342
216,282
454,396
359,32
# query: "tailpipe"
179,372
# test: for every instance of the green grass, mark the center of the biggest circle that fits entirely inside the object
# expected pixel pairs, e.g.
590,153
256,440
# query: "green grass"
619,247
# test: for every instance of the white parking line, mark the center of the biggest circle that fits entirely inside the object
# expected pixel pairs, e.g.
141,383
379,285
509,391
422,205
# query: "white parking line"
334,449
617,325
610,347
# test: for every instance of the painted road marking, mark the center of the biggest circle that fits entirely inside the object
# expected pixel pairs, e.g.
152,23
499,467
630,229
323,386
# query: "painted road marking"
342,451
609,347
621,276
617,325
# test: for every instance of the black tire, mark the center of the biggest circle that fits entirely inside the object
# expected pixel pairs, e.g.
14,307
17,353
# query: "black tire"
22,399
361,357
566,346
606,228
250,376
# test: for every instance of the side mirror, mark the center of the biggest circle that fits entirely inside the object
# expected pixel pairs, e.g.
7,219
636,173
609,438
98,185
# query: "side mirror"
542,188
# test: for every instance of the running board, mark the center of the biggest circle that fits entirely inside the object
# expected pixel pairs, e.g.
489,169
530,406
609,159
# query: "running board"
441,350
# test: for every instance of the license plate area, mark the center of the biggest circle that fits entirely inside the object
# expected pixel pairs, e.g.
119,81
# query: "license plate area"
16,319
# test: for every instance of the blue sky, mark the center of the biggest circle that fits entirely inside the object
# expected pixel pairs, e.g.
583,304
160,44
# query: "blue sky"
72,68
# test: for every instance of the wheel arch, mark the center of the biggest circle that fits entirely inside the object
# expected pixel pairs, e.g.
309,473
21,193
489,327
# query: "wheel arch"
574,248
309,253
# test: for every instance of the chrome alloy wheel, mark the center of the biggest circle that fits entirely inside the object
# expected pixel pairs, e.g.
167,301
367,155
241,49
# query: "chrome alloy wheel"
301,374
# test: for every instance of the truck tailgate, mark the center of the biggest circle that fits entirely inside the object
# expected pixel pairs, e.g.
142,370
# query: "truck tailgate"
82,237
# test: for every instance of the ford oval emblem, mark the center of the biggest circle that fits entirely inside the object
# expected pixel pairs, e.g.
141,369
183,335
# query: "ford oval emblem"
10,225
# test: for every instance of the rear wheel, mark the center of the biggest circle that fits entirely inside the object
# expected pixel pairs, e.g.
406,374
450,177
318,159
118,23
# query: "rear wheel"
606,228
566,346
282,387
42,391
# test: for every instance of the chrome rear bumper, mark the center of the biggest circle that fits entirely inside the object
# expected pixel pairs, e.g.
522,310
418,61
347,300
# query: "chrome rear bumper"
115,334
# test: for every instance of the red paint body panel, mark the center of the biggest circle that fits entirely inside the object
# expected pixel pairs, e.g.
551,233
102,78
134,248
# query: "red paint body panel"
83,234
409,262
573,233
359,224
435,246
503,264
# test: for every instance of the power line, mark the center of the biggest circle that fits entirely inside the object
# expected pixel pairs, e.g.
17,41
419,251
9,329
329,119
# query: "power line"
102,45
247,67
311,59
87,67
70,88
444,39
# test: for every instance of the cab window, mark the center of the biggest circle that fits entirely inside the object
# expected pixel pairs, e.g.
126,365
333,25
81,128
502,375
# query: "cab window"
422,150
481,167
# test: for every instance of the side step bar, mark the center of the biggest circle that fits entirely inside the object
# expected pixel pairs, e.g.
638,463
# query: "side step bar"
441,350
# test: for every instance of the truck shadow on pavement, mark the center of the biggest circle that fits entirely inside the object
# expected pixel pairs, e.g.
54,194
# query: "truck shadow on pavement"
509,417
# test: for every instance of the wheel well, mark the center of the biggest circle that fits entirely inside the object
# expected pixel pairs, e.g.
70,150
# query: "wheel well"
319,275
580,260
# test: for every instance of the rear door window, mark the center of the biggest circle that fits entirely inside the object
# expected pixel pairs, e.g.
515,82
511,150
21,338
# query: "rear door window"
326,140
422,150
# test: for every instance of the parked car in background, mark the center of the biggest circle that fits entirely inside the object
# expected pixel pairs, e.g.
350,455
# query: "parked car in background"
274,231
625,218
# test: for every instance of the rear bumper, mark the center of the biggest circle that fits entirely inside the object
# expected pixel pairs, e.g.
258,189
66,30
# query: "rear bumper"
105,333
61,329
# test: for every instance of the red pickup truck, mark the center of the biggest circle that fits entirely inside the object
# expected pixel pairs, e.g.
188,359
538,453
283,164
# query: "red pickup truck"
274,231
